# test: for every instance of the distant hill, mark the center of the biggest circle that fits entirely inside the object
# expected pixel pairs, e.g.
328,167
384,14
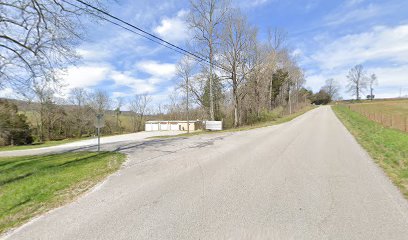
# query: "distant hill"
28,106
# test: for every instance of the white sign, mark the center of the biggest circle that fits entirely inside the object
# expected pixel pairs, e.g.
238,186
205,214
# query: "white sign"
99,121
213,125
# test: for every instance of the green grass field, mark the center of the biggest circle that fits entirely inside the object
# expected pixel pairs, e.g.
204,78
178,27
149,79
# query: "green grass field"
41,145
390,113
35,184
388,147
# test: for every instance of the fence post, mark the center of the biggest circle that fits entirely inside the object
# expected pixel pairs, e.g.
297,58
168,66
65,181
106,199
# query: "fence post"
392,121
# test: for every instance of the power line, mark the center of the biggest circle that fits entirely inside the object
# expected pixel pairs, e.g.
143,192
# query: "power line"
128,29
149,36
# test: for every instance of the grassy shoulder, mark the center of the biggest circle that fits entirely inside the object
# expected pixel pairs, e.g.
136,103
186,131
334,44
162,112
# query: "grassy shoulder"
41,145
388,147
243,128
32,185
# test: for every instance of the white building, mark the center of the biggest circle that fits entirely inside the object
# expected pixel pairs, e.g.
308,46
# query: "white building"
170,126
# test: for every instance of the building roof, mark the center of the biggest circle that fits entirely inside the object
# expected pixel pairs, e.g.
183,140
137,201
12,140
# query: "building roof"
172,121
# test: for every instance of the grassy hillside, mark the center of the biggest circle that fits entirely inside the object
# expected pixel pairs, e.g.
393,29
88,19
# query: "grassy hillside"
391,113
388,147
39,145
34,184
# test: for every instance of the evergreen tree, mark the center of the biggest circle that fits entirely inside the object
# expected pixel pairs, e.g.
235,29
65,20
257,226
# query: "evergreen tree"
14,129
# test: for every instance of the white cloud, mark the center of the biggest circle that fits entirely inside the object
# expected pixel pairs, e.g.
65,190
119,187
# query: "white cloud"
391,80
383,50
173,29
355,15
120,83
138,86
381,43
7,93
158,71
392,77
297,52
85,76
253,3
316,80
93,54
258,2
120,94
116,44
351,3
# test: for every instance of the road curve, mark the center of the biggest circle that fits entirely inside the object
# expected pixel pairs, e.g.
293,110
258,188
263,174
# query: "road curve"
305,179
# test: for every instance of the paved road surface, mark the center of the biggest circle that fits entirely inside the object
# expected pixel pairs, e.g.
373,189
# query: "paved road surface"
305,179
90,144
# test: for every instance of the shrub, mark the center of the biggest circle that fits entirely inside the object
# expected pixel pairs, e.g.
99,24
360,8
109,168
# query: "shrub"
14,129
265,115
321,98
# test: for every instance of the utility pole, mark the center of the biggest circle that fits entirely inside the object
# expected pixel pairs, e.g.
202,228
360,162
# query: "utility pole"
290,103
188,117
270,94
211,87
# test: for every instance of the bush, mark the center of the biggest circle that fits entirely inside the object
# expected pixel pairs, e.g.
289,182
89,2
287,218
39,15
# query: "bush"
271,115
265,115
14,129
321,98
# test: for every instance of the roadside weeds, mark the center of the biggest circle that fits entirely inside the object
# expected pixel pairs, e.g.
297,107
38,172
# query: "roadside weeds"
32,185
388,147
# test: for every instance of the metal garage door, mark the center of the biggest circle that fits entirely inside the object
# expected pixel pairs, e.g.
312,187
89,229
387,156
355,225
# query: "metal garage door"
154,126
148,127
164,126
174,127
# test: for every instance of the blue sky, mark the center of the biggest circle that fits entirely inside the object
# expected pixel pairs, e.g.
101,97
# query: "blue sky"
328,38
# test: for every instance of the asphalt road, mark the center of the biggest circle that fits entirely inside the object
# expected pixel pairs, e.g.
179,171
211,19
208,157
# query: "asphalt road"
91,144
305,179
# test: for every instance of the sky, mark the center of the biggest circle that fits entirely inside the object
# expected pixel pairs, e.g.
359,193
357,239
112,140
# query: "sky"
327,38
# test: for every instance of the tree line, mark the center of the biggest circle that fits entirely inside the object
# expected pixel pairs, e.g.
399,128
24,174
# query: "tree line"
55,118
358,82
247,78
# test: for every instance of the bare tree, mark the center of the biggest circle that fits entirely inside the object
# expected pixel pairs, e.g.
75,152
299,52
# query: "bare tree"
276,56
160,109
100,101
332,88
372,81
236,39
79,97
256,75
118,112
296,80
277,39
206,19
44,94
139,105
356,81
36,40
184,72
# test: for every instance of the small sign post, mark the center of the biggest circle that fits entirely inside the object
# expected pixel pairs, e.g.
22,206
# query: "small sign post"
99,123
